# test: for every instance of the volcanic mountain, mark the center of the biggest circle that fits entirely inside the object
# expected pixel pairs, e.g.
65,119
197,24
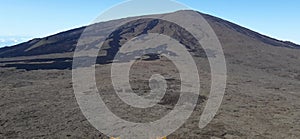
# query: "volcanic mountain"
261,99
66,41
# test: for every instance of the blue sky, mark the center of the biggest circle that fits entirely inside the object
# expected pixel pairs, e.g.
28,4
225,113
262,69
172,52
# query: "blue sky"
25,19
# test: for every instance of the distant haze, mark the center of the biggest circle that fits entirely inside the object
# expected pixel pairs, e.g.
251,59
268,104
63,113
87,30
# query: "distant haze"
12,40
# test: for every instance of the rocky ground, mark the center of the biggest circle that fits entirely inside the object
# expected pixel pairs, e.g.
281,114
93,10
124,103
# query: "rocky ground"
262,98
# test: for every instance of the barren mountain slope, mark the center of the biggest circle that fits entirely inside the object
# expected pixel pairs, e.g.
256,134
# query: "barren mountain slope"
261,98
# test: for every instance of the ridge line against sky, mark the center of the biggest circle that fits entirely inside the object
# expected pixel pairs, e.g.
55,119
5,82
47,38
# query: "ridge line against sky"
24,20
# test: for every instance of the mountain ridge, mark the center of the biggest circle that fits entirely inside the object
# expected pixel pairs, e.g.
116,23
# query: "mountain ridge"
66,41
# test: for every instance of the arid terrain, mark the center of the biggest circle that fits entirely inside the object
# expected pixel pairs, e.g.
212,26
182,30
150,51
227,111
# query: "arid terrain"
262,97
